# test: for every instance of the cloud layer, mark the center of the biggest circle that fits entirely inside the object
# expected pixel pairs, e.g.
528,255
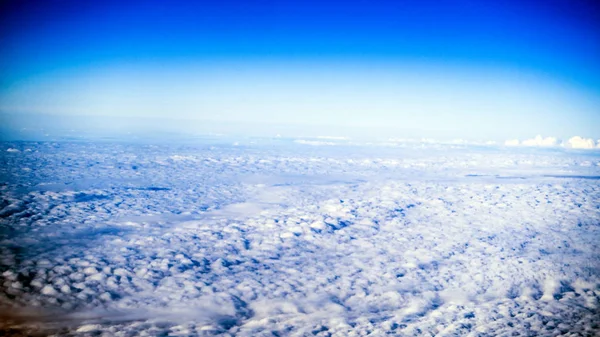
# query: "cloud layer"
575,142
298,240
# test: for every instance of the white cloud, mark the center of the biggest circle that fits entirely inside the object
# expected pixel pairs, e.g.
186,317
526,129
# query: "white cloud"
312,142
578,142
432,141
575,142
540,141
459,141
300,241
333,137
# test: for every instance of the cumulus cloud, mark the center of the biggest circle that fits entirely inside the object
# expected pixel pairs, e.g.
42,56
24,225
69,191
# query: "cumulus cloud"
293,241
578,142
540,141
575,142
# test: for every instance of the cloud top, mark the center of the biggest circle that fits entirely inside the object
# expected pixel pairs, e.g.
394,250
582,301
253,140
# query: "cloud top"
576,142
581,143
540,141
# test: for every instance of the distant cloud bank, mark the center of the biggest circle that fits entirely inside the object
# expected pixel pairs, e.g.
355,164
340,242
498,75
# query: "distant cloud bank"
312,142
575,142
582,143
539,141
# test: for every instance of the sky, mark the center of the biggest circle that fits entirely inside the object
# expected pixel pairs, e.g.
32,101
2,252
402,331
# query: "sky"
461,69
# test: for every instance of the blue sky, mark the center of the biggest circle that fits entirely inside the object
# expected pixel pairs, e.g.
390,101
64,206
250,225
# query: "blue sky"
450,68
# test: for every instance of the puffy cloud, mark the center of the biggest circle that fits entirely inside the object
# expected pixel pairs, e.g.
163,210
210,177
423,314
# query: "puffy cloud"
295,211
576,142
580,143
540,141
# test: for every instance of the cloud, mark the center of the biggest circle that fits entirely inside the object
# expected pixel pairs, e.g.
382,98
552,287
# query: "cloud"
578,142
333,137
432,141
575,142
312,142
539,141
298,241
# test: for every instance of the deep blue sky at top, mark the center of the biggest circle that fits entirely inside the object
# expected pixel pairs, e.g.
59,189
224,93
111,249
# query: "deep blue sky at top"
555,38
560,37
